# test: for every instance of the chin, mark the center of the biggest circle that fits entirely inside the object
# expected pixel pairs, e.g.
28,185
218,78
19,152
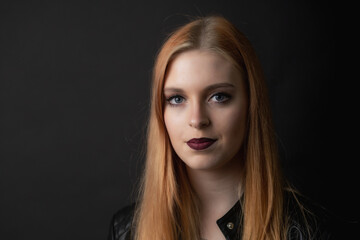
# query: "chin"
202,163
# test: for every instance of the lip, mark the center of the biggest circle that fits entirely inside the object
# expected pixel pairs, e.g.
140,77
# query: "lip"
200,143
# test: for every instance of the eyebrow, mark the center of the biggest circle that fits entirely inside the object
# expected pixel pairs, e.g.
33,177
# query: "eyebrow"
208,88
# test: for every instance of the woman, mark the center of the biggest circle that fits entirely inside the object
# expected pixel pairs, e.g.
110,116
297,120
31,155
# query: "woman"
212,168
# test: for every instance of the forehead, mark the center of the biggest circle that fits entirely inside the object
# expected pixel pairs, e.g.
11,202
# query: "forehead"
201,67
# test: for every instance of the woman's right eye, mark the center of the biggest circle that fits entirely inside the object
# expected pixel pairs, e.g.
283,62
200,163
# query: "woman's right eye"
175,100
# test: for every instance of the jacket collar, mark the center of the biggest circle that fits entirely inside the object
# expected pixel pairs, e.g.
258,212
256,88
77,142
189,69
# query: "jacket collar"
229,224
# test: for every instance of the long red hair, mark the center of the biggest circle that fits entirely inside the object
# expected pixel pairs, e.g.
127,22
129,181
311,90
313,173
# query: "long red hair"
168,207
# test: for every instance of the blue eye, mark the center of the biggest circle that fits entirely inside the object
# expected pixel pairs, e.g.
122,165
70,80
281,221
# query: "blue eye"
175,100
220,97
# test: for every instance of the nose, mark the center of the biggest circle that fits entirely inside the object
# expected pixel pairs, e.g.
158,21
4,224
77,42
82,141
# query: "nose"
198,116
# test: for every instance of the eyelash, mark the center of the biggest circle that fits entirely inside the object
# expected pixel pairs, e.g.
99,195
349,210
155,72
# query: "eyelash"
227,98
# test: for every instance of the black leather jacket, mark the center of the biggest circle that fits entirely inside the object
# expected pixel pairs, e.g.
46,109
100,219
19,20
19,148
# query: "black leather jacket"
120,227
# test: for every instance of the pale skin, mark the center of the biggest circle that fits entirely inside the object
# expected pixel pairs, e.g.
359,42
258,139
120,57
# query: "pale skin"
206,98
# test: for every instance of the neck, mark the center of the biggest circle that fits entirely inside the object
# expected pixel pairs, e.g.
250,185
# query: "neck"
217,189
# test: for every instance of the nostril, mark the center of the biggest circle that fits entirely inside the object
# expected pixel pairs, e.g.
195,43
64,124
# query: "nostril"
199,123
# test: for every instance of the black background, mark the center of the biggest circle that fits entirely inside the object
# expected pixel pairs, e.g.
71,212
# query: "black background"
74,88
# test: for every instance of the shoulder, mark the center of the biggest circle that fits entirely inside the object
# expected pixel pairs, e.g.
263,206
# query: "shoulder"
306,219
120,226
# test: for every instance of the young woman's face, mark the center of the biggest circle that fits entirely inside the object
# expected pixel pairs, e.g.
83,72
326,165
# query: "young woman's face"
205,109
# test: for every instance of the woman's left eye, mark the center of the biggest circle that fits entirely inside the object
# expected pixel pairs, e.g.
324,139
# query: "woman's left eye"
220,97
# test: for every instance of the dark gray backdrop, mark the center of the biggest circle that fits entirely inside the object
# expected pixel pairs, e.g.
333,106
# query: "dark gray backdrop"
74,79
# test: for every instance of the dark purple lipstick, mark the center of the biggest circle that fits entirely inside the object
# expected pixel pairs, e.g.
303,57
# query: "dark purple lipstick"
200,143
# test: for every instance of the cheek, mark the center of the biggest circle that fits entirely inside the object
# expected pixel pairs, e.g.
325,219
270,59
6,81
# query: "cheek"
172,124
234,123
